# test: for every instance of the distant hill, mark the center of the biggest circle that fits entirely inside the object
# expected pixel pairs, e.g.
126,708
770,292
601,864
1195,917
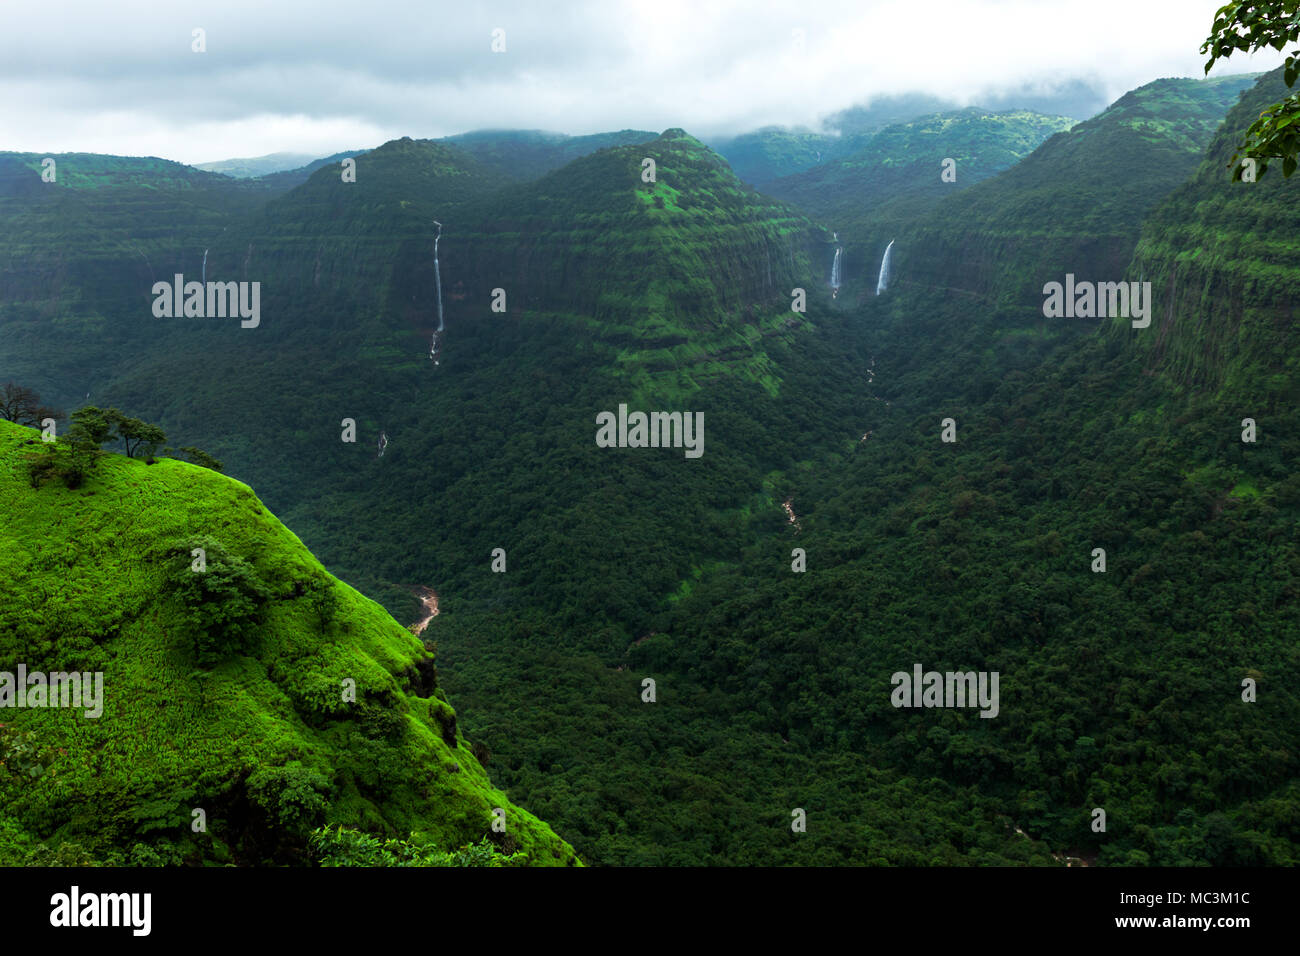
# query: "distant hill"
287,179
528,154
257,165
765,154
1078,199
898,174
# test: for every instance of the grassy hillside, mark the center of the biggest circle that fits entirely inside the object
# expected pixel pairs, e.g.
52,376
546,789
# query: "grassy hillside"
260,736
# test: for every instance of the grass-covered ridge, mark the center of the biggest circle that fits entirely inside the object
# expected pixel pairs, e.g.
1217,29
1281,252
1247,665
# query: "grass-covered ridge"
264,742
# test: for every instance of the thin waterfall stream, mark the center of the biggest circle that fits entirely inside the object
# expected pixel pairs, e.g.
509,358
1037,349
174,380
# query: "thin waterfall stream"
435,344
883,282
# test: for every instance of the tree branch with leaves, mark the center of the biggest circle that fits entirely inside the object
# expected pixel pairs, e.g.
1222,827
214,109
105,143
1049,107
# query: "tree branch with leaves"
1246,26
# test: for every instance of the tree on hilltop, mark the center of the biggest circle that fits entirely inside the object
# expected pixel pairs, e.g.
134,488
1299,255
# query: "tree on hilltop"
22,405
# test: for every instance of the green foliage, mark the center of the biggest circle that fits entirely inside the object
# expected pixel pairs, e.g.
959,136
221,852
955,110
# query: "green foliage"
345,846
42,465
222,596
1246,26
294,797
22,757
132,430
201,458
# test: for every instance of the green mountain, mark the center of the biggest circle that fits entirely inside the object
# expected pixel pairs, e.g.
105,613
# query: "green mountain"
1121,689
229,697
257,166
774,151
1225,262
760,156
1075,205
528,154
681,278
899,174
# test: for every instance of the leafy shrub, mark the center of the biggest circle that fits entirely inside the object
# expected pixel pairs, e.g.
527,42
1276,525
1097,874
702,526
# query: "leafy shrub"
222,602
345,846
293,796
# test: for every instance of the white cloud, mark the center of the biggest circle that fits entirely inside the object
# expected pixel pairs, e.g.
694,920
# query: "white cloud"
317,77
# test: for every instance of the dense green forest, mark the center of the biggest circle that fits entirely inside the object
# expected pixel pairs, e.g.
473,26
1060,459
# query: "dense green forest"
1121,690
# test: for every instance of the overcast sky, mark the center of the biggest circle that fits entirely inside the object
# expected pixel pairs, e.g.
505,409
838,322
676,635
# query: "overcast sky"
320,76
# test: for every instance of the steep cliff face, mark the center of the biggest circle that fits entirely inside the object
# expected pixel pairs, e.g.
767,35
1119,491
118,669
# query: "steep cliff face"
1223,259
1074,205
327,252
691,268
80,252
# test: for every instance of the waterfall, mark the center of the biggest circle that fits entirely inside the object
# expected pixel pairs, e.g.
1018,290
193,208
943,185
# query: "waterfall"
835,268
437,281
883,282
383,443
205,268
437,275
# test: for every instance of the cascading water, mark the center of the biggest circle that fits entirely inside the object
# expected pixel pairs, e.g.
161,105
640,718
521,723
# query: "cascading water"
883,282
437,280
835,270
437,275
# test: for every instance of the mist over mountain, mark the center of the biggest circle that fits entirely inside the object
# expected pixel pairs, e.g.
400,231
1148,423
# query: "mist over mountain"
258,165
517,497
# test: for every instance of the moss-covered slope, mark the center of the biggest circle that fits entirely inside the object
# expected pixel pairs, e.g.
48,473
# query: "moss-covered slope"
263,741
